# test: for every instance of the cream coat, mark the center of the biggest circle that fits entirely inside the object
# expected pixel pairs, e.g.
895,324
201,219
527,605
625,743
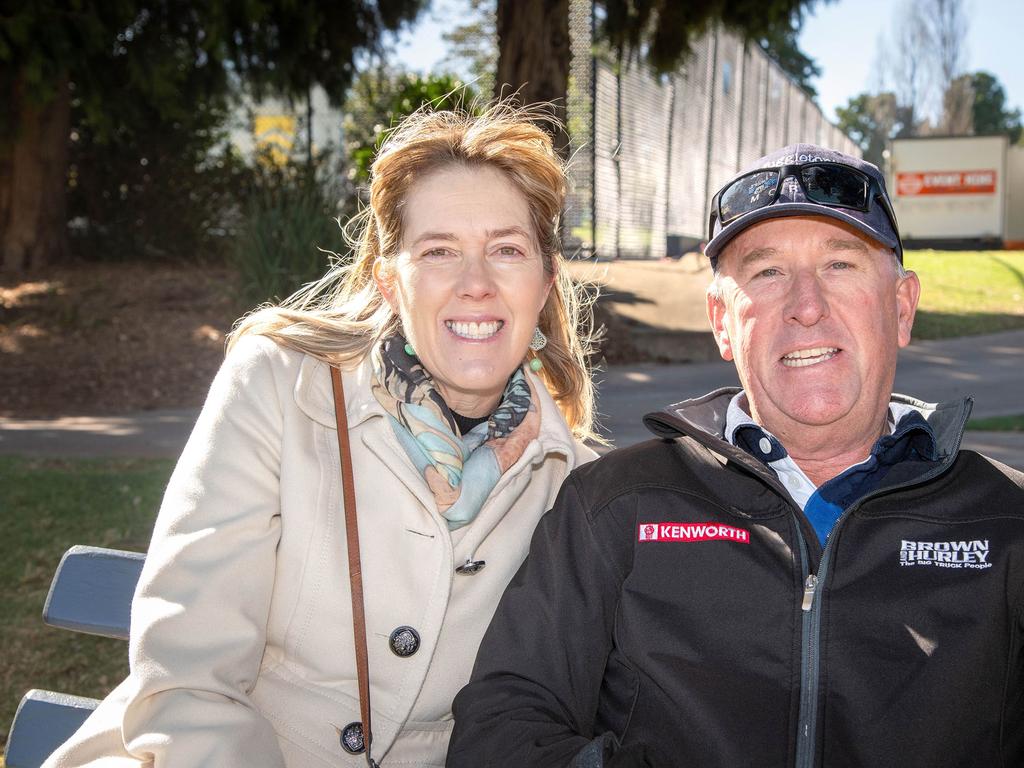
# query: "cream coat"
242,647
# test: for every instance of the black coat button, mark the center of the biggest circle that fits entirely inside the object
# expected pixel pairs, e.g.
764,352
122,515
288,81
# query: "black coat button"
404,641
470,567
352,738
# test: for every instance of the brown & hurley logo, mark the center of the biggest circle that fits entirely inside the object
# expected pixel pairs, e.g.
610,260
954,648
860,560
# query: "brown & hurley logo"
946,554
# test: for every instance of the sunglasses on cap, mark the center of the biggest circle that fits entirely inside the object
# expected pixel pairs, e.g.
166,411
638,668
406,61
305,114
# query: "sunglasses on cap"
830,184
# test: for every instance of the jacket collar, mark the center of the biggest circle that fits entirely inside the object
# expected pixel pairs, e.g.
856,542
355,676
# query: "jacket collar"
314,397
703,419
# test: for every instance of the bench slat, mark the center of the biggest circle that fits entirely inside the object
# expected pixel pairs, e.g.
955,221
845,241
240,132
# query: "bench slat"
44,721
92,591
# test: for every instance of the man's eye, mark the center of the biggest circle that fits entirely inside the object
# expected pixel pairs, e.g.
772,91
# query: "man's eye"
509,251
841,265
769,272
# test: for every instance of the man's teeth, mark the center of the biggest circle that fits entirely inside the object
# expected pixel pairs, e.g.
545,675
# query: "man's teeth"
804,357
474,330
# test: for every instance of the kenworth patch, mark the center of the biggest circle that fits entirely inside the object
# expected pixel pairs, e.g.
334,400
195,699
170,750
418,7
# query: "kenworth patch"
692,532
946,554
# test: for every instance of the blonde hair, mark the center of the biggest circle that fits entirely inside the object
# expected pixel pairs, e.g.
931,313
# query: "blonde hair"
341,317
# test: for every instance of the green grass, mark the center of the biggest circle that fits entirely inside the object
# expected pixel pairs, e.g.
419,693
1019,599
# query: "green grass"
999,423
47,506
965,293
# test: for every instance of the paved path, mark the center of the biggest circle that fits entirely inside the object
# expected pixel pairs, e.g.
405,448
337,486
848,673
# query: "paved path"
990,368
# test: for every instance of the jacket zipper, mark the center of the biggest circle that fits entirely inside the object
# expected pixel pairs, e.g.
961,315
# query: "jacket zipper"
807,648
811,669
811,619
813,583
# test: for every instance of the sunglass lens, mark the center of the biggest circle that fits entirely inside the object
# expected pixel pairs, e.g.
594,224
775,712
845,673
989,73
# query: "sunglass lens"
834,185
747,194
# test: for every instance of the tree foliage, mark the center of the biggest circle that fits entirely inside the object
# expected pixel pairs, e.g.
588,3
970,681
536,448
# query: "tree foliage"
149,172
923,66
947,24
473,44
274,46
41,41
781,44
989,110
150,82
381,97
661,31
534,47
872,120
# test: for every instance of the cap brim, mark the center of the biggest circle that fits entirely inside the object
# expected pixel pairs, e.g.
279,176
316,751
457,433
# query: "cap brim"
714,248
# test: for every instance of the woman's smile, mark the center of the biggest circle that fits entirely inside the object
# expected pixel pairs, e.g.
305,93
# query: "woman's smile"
474,330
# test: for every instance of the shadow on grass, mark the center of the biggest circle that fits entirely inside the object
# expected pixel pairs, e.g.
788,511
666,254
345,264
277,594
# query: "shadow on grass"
944,325
1012,269
623,297
628,340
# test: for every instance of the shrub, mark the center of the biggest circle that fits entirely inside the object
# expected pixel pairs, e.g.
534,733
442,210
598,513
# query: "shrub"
289,227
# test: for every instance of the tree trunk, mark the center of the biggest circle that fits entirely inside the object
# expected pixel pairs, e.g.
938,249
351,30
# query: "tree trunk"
33,175
533,55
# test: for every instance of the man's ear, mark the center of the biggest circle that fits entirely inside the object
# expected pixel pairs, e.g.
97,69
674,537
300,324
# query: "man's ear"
908,292
716,316
384,279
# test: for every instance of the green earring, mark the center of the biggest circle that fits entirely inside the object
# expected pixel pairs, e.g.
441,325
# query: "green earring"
409,350
536,364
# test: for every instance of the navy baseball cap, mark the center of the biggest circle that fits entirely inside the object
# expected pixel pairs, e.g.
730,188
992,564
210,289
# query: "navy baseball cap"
814,182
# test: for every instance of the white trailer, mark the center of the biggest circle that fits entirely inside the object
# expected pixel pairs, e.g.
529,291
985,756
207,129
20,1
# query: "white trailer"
950,189
1013,236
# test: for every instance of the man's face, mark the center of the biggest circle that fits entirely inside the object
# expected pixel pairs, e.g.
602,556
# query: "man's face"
813,313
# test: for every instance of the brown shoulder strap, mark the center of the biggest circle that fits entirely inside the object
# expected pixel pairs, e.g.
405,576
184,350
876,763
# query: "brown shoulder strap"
355,572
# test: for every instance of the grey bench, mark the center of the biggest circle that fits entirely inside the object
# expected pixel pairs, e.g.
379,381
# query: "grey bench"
91,592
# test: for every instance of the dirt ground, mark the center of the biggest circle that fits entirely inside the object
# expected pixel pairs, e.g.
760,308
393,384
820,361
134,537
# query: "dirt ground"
100,339
651,310
111,338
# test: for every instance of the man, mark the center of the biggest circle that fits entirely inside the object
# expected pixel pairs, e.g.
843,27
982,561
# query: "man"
807,571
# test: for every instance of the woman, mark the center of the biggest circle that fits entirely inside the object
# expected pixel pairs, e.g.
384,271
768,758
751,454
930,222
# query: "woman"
462,422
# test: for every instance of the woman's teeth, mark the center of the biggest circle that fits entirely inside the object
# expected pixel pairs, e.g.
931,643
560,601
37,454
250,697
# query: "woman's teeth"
805,357
474,330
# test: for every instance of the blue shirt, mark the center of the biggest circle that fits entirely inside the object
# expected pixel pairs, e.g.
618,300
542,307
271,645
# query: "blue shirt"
909,437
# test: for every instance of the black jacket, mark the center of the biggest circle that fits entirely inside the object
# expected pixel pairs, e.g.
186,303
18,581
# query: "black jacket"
728,637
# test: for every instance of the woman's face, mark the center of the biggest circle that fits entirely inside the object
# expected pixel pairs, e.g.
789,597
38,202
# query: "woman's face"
468,283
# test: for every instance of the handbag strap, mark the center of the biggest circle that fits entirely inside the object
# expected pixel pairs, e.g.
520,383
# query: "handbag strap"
355,572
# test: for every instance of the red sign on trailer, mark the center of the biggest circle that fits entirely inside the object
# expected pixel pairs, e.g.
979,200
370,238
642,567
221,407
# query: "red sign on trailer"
946,183
950,187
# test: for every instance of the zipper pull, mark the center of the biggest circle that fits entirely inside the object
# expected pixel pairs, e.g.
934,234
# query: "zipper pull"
809,585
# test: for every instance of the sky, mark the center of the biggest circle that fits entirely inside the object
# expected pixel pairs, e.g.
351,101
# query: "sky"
842,36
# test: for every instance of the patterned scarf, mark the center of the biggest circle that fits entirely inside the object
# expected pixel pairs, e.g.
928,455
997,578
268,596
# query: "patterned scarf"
461,471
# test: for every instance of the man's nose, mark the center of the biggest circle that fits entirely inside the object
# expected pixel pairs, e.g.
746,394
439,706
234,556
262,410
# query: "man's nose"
807,303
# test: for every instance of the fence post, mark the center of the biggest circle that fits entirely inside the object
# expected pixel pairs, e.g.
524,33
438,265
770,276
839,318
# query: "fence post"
767,99
743,107
593,134
617,156
787,139
668,153
712,90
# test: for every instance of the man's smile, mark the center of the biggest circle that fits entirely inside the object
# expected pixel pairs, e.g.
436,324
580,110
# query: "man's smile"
803,357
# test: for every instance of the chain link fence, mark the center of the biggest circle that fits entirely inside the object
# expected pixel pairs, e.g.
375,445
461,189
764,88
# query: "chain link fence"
649,152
